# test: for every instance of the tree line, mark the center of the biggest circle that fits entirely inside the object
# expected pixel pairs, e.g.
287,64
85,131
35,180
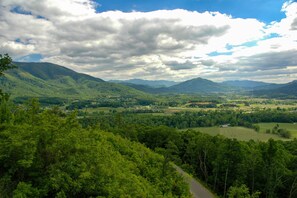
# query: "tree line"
184,120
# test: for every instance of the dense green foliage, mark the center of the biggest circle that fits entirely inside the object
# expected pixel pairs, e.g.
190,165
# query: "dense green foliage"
5,63
45,153
229,167
192,119
226,165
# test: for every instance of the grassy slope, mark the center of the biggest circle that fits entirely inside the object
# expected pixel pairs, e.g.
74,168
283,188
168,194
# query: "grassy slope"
239,133
289,126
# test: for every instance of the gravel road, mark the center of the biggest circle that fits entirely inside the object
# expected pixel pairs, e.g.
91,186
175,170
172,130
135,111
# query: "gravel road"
197,189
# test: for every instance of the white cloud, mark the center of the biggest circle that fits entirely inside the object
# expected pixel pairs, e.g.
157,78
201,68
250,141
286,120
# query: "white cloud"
167,44
287,26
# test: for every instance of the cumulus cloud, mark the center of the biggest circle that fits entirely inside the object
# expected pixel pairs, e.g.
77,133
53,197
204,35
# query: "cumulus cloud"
174,65
294,24
167,44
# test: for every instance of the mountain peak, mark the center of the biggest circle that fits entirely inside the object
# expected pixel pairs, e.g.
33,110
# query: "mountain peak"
50,71
198,85
50,80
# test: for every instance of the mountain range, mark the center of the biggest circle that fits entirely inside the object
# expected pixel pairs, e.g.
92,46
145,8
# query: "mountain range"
151,83
247,84
204,86
51,80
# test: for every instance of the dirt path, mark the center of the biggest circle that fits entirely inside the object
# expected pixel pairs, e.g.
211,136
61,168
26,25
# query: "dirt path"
197,189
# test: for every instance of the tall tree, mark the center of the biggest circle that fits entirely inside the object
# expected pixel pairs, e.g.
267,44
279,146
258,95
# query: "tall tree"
5,64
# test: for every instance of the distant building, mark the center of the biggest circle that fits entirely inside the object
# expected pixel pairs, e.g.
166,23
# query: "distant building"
225,125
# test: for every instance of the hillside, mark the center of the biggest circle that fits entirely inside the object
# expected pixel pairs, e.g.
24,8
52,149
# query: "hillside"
49,154
146,88
54,81
50,80
246,84
199,85
149,83
204,86
288,89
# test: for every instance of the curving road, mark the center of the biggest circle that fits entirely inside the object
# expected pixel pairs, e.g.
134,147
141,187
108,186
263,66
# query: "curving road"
197,189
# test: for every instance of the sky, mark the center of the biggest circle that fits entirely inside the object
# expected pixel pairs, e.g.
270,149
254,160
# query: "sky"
156,39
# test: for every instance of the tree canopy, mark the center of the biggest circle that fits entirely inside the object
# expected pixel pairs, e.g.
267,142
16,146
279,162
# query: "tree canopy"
5,63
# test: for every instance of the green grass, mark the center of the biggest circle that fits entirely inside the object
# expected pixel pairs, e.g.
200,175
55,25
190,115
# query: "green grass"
239,133
289,126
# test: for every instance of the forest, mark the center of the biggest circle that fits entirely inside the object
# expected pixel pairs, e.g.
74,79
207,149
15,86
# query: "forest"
46,153
264,169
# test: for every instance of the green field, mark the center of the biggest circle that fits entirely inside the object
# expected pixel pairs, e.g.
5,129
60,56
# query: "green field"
289,126
239,133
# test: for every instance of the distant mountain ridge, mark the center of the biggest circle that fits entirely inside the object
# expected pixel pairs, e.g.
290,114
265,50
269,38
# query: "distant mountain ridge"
282,90
50,80
150,83
204,86
246,83
198,85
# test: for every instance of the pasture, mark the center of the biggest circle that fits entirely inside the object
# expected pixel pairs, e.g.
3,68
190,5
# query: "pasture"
239,133
288,126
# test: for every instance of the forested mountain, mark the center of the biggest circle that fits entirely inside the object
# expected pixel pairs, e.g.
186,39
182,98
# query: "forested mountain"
248,84
50,80
147,89
198,85
288,89
150,83
204,86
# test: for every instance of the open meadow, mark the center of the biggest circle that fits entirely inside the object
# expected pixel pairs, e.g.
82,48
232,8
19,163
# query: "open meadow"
239,133
291,127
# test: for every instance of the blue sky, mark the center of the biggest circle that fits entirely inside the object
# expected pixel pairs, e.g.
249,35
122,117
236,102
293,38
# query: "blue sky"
156,39
264,10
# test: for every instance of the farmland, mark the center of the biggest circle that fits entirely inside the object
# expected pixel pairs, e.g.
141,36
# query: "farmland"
239,133
291,127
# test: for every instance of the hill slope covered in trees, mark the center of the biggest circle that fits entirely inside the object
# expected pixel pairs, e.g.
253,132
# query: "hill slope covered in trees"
48,154
50,80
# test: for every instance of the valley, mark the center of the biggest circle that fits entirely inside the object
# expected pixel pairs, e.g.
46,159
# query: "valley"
197,124
148,99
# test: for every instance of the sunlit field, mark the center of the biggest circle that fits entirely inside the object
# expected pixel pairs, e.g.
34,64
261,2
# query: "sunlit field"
239,133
